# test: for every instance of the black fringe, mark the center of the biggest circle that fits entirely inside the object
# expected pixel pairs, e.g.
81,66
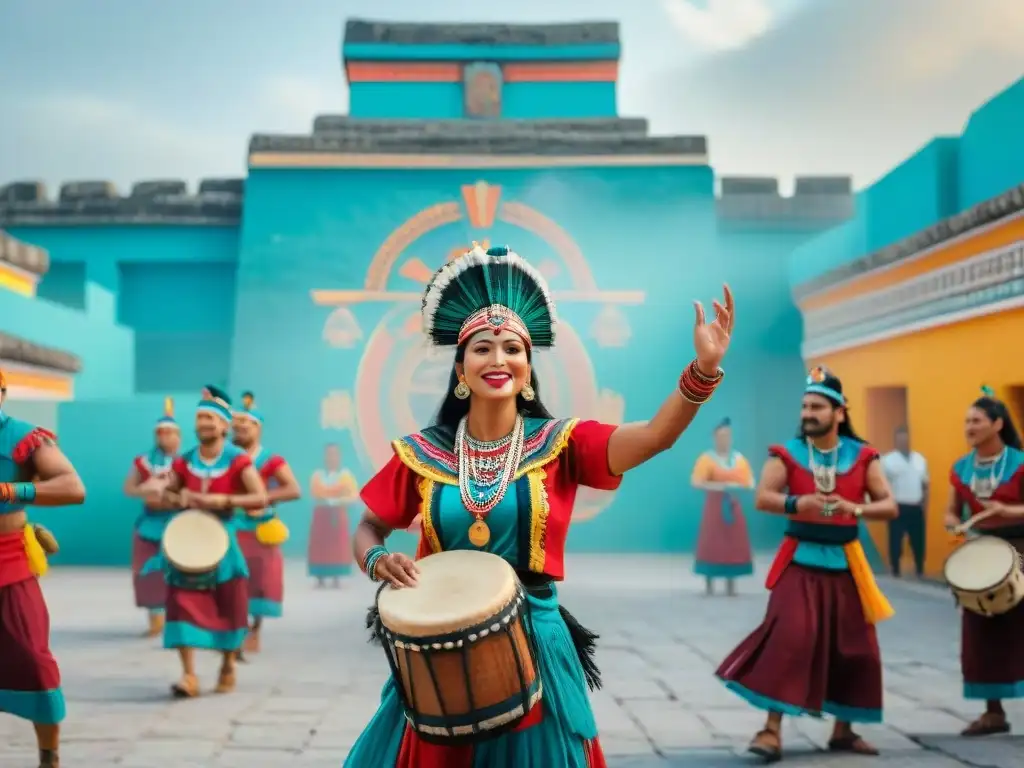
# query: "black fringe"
586,646
373,621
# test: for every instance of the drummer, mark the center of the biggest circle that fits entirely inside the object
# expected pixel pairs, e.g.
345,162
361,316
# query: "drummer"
218,477
260,533
33,472
148,471
988,483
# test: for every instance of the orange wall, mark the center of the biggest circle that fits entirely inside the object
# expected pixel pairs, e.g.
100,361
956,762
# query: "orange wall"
943,370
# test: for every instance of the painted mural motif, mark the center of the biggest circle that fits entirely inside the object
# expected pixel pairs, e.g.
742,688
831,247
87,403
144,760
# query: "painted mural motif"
482,85
400,380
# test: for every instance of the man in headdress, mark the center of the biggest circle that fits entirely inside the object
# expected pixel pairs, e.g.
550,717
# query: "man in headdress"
149,473
816,651
261,533
33,471
211,613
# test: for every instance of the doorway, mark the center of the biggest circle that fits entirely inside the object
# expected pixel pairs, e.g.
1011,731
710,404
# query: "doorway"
887,412
1015,402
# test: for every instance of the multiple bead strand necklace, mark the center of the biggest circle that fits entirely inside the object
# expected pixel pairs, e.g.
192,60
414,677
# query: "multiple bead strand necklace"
824,474
486,470
984,485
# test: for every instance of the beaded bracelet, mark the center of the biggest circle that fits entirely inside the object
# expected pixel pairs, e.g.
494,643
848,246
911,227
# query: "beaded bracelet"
17,492
373,554
695,387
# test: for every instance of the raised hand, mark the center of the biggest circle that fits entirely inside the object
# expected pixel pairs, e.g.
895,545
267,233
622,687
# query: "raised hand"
711,340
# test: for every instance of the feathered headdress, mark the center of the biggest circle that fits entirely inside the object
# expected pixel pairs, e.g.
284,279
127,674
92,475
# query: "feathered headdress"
248,410
217,402
167,420
821,381
493,289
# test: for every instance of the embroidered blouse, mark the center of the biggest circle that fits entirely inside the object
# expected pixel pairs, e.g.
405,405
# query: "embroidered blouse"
529,525
1010,490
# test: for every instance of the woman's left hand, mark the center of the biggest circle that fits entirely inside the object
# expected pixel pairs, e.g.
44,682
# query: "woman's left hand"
711,340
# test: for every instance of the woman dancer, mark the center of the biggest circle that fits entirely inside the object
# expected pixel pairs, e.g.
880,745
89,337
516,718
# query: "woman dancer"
723,546
149,471
497,473
334,489
988,482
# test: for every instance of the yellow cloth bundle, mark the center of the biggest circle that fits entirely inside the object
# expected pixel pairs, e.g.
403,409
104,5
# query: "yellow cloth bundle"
37,561
877,607
272,533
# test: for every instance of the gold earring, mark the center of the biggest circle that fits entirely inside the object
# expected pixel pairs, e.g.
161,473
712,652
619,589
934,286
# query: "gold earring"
462,389
528,393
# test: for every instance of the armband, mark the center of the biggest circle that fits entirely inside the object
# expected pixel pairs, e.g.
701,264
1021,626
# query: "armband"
790,507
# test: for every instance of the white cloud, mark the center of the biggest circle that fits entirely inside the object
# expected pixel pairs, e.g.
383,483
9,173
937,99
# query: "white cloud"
721,24
289,104
844,86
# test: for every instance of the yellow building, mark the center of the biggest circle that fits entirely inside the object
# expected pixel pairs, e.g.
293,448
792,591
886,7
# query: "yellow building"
918,328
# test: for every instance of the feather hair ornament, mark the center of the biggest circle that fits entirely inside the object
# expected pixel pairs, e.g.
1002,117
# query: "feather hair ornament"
480,279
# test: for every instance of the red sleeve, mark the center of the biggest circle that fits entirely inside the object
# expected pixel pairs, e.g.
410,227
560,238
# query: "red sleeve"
29,443
588,455
392,495
141,468
179,467
240,462
868,454
271,466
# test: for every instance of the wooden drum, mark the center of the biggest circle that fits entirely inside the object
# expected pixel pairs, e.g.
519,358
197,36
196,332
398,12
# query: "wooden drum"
194,543
460,649
985,576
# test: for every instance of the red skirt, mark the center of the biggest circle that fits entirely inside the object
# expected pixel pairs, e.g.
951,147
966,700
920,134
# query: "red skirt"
990,656
266,575
216,619
723,546
29,676
813,653
151,589
330,549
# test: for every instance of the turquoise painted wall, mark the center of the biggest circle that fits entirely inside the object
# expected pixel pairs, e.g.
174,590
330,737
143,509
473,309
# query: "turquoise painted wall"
646,229
172,285
946,176
444,101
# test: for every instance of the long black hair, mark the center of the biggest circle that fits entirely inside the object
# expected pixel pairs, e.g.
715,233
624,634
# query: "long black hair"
996,409
453,409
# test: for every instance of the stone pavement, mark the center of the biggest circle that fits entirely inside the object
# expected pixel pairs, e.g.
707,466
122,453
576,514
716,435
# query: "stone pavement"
302,702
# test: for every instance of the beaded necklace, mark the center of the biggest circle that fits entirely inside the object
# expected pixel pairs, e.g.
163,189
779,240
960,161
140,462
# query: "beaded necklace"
983,483
825,473
486,470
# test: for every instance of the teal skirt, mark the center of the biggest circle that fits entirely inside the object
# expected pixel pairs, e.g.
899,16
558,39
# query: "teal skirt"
558,740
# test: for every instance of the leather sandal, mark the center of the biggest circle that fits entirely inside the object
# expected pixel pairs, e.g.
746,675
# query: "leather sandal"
225,682
767,744
186,688
851,743
989,724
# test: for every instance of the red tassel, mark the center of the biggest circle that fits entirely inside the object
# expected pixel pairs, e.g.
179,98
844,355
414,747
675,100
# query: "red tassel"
29,443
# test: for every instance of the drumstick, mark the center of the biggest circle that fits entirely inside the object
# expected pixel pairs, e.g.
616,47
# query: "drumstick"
965,526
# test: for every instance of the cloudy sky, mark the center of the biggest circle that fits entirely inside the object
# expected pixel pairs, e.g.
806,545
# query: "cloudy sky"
130,89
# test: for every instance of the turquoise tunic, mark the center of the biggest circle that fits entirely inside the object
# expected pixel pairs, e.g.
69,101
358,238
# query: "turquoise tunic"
568,721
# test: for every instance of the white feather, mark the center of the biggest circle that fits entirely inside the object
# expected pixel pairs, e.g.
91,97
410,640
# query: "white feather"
478,257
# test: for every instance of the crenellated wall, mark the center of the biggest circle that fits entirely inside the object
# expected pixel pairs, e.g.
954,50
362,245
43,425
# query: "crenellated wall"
143,258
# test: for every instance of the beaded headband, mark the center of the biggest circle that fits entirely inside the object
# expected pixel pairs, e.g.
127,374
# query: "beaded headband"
167,420
497,319
818,384
215,405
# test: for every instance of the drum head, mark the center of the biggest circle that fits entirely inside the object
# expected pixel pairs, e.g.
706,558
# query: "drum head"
456,590
195,541
980,564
